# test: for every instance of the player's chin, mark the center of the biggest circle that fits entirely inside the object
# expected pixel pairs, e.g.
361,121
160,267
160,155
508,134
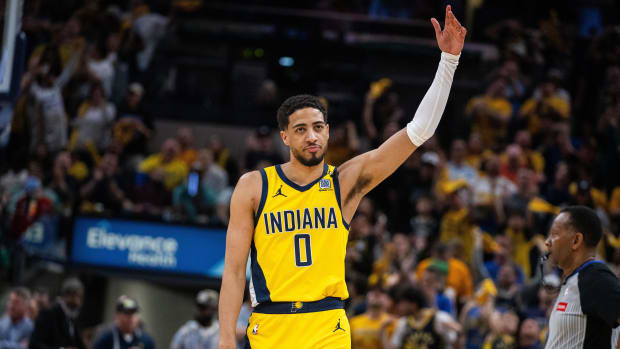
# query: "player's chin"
314,159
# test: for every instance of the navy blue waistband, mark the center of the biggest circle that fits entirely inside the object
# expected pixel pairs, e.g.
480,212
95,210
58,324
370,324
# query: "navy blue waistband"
328,303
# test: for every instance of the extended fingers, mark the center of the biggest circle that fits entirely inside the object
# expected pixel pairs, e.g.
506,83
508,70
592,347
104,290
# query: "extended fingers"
437,27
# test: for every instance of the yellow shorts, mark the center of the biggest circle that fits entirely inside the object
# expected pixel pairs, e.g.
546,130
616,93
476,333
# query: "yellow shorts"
327,329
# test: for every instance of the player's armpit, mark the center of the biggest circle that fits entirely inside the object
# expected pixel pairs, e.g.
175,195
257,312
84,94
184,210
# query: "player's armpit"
238,239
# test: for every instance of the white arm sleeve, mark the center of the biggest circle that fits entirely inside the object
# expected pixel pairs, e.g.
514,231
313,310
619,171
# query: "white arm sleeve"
429,112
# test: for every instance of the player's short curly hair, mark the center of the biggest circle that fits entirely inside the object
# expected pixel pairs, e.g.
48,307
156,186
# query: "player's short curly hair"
292,104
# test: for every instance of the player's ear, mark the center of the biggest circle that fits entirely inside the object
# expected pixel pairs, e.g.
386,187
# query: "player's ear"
284,136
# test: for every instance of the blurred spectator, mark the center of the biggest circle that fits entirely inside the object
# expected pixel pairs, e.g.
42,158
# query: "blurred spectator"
188,152
38,302
420,326
545,299
63,185
150,28
165,167
260,151
15,326
526,247
134,125
455,222
366,327
93,123
213,176
203,331
423,224
100,65
531,158
458,278
491,190
512,163
428,173
526,190
476,315
433,283
508,284
56,327
204,188
503,258
343,144
47,115
529,335
559,148
456,168
65,42
382,107
516,82
42,297
125,333
31,205
504,326
543,109
224,159
477,152
105,187
490,114
558,193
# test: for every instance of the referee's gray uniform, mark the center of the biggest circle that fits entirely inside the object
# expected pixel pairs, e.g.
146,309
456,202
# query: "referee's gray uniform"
586,311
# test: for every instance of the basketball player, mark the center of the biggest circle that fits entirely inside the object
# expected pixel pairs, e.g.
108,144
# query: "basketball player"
293,219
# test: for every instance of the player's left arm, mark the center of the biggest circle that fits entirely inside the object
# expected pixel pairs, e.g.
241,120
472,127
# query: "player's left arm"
361,174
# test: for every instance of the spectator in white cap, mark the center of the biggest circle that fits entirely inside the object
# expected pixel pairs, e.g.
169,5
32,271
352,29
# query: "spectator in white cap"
203,331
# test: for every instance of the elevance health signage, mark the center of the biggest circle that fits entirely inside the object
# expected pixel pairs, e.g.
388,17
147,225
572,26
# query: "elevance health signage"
129,244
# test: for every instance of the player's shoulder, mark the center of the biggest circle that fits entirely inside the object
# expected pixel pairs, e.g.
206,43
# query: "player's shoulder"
250,179
249,185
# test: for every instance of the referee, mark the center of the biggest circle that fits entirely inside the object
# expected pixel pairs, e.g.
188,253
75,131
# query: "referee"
586,313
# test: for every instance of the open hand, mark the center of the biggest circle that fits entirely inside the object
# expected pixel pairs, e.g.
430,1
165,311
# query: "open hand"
452,38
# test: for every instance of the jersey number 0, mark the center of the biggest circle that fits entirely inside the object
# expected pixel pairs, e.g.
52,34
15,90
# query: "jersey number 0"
304,260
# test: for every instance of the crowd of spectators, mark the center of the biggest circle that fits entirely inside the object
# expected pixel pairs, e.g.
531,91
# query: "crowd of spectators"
454,235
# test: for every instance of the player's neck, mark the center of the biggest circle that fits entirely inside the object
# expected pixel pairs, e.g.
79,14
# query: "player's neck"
302,174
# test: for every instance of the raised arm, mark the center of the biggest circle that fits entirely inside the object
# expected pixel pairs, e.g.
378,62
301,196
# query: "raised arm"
243,203
361,174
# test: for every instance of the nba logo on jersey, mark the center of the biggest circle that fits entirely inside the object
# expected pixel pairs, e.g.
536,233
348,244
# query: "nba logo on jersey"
325,184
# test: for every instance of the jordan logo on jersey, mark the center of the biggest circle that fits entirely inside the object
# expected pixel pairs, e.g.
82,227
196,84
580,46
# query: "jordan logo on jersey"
338,327
279,192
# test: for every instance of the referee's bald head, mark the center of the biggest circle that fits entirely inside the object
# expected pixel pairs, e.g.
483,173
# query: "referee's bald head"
584,220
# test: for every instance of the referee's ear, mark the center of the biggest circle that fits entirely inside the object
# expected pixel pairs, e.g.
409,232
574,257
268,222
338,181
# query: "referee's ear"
577,241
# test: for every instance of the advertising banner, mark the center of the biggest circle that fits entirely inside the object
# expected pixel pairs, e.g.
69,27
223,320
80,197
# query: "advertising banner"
129,244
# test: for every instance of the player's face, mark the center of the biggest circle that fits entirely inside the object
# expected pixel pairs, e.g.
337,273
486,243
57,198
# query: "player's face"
559,243
307,135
